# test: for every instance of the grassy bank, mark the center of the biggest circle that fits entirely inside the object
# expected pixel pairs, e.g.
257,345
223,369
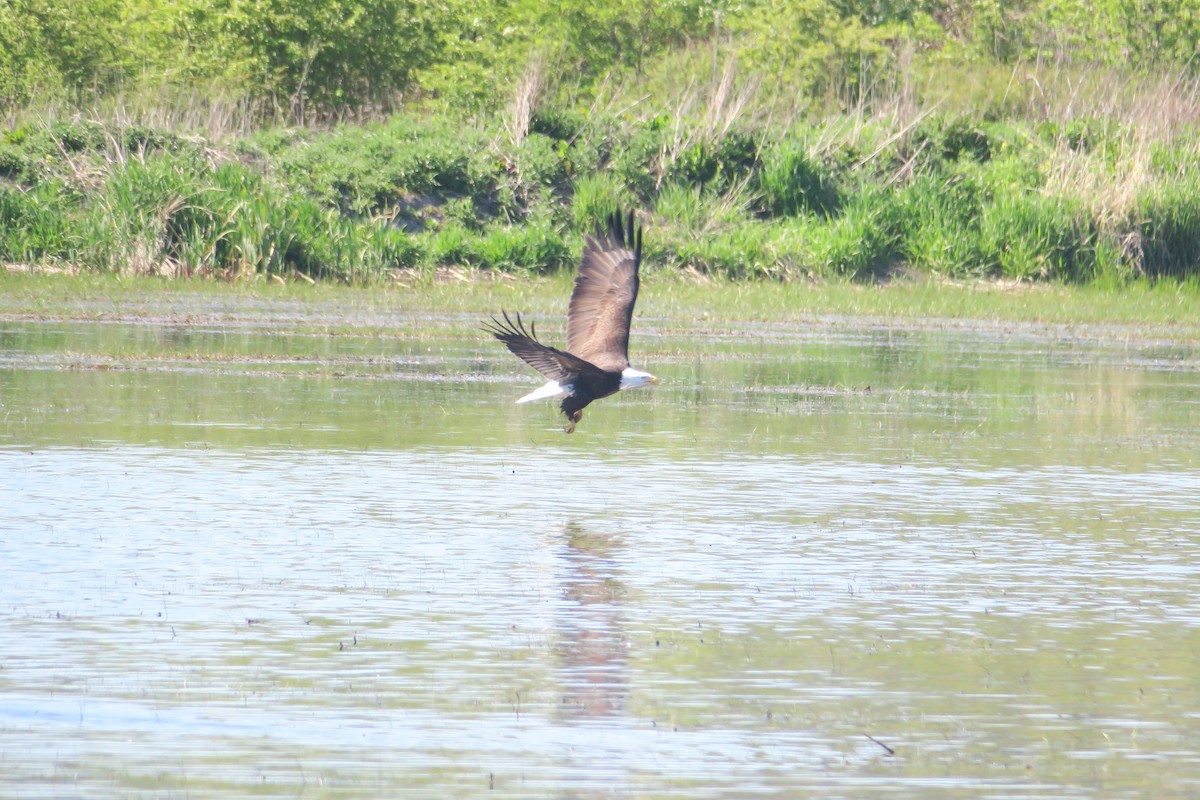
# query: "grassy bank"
851,197
1143,311
1046,141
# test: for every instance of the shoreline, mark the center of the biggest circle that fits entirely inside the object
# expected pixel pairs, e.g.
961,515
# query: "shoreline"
1145,313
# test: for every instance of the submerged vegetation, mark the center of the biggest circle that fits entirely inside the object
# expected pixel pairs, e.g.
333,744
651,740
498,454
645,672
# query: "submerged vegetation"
1161,311
813,140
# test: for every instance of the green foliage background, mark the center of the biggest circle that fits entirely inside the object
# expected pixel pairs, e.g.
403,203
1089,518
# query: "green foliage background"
306,59
1036,139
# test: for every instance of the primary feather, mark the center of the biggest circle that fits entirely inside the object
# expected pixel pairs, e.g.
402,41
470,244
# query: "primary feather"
601,308
555,364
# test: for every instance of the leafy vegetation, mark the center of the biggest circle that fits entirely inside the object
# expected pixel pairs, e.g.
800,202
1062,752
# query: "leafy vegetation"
356,139
359,202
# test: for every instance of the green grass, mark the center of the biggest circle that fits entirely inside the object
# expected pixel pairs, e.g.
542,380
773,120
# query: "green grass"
1164,309
943,196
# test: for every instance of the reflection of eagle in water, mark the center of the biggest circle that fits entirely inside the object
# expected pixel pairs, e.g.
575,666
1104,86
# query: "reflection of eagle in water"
596,361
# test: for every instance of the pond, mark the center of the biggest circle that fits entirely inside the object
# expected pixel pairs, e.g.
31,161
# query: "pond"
820,559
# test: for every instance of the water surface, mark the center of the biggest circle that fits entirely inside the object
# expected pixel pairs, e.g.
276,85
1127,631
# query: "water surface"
836,562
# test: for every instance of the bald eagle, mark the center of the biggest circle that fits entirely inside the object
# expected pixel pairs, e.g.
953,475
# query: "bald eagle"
596,361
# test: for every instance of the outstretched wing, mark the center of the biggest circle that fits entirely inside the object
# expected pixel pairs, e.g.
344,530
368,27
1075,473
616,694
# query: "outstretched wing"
555,364
606,288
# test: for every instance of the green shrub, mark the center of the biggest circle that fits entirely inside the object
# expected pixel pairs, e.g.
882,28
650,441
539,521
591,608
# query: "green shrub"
153,207
698,209
266,234
142,140
559,124
269,142
15,164
534,247
859,243
595,197
390,248
69,135
36,225
952,138
794,182
936,222
1032,235
1014,174
1090,135
309,58
685,206
540,164
451,245
741,252
962,139
369,169
461,211
636,160
1169,232
721,164
1176,159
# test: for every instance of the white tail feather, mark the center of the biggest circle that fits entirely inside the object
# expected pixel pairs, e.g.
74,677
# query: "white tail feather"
551,389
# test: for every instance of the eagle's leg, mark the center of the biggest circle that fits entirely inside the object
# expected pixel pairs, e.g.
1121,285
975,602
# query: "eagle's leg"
574,417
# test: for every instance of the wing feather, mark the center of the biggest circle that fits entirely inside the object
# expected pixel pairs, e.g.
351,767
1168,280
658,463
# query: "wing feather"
601,308
555,364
